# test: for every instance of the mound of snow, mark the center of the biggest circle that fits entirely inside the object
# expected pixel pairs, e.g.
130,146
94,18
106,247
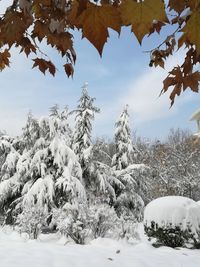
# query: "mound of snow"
173,211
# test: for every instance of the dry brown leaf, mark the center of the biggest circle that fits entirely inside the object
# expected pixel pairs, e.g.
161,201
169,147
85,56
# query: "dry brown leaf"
141,15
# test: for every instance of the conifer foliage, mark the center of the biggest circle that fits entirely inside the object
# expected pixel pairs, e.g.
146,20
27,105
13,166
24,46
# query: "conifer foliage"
124,147
46,174
85,112
129,203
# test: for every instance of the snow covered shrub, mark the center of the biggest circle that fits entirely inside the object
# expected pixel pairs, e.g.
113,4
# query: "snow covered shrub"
82,223
71,221
103,220
174,221
128,228
31,220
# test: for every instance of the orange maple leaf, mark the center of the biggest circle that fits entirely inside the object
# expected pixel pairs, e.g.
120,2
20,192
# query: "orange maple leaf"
95,21
141,15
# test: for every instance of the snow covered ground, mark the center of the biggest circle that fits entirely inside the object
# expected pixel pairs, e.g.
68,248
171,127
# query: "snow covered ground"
50,251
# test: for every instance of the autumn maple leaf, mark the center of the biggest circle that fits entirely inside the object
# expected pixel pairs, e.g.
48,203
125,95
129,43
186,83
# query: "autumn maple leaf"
142,15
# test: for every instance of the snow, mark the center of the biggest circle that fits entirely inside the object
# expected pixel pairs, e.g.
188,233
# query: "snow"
42,188
173,210
11,161
140,166
8,187
52,251
131,169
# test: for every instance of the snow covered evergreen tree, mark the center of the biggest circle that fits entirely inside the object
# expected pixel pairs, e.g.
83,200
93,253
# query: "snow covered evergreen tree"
9,157
123,143
129,203
30,132
56,176
98,177
48,173
82,143
9,185
102,151
103,182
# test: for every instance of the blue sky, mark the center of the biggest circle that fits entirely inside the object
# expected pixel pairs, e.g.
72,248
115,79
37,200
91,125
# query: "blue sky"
121,77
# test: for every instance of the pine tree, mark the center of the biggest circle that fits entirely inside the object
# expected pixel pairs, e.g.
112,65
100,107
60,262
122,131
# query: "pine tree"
30,133
98,177
47,174
9,185
129,203
55,172
85,112
124,147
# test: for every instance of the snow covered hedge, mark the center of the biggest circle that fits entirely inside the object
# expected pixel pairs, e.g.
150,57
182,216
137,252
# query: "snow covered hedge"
174,221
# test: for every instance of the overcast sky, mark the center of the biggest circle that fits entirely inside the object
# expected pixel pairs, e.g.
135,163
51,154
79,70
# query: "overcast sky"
121,77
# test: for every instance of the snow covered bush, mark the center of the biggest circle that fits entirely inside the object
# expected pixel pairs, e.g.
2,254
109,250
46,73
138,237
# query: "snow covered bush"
71,221
31,220
103,220
83,223
128,228
174,221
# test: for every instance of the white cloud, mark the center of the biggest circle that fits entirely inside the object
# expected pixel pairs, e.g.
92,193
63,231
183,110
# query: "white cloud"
142,97
143,94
